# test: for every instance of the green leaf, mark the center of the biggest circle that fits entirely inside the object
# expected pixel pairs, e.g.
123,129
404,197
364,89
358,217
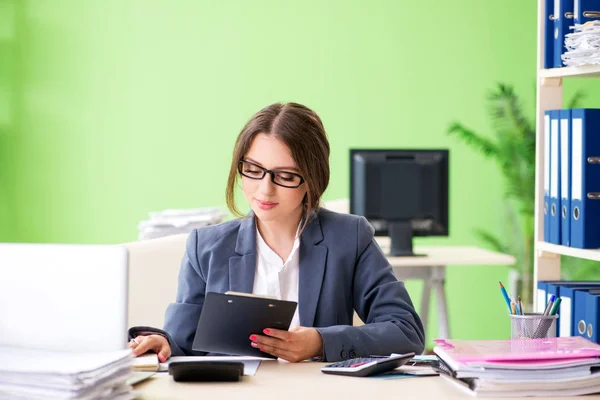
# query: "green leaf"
473,139
576,100
504,106
491,240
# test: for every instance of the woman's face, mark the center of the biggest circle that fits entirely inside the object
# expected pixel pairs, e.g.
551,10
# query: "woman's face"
271,202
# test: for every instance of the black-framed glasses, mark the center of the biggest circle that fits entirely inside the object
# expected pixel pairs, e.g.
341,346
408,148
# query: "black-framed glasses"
280,178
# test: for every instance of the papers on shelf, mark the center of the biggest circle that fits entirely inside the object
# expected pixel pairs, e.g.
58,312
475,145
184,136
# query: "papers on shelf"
172,222
36,374
583,45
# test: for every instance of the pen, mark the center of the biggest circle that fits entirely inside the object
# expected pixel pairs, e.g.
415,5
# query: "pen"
520,305
512,308
555,307
549,306
506,299
513,299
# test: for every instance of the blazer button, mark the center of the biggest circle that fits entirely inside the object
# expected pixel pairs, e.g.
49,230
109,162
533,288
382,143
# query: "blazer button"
352,354
344,354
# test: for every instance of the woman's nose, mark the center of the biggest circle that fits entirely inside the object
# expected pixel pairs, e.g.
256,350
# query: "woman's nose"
266,185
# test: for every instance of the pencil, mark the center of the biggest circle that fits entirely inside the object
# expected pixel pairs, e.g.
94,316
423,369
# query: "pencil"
512,308
520,305
506,299
517,308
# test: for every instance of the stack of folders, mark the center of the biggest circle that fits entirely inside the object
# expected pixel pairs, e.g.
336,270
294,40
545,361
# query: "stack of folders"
579,312
172,222
36,374
572,177
561,17
519,368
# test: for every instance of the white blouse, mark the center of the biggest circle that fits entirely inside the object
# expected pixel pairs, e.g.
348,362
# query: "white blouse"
276,278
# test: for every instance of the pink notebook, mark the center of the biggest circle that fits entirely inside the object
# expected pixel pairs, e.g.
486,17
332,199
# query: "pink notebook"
515,350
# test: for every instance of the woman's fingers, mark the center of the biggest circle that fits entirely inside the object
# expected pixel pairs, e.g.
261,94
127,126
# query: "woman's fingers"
148,343
280,353
164,353
262,341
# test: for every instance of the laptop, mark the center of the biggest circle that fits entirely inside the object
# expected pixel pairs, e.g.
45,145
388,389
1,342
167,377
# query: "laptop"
63,297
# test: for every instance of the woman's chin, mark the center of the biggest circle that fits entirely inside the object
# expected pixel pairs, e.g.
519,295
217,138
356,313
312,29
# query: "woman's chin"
263,215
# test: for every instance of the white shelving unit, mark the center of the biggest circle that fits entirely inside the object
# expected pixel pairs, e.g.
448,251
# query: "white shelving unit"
550,96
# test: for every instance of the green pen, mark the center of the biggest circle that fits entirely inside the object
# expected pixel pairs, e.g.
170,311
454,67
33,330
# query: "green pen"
555,306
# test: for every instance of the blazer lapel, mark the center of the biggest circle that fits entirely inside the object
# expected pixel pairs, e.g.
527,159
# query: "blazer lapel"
242,268
312,269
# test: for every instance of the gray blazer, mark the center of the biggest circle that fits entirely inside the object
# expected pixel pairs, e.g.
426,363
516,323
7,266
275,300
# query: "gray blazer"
342,269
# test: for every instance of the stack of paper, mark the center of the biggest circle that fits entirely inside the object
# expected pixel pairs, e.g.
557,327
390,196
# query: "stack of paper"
566,366
38,374
583,45
172,222
146,362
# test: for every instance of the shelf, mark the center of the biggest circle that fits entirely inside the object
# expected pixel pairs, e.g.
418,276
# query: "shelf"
586,71
569,251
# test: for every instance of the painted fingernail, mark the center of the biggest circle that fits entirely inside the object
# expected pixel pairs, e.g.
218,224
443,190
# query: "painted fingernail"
267,331
254,344
252,337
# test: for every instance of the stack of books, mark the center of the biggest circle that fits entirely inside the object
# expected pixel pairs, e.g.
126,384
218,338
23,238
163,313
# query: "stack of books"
173,222
565,366
38,374
583,45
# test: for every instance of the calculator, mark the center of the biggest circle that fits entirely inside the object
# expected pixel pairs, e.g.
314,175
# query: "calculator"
367,366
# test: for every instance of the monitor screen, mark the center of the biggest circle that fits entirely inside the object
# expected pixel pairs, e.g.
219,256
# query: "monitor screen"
401,192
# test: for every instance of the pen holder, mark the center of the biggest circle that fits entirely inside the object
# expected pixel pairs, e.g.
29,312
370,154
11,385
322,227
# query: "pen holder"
532,326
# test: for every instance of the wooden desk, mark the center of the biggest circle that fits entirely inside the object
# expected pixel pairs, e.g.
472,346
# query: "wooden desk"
279,379
431,268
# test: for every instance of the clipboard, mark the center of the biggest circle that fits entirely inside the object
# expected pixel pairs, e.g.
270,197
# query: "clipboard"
227,321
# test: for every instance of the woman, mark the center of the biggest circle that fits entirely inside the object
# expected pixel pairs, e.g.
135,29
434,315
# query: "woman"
291,249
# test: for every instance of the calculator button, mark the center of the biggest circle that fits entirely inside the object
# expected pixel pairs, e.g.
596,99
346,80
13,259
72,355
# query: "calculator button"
358,364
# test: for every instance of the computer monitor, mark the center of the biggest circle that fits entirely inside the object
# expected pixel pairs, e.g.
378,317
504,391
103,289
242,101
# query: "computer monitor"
402,193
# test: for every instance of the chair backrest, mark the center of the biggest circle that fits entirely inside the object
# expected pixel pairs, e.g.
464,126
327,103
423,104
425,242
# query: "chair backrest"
153,271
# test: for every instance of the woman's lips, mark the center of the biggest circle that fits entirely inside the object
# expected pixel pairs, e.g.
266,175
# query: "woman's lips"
266,205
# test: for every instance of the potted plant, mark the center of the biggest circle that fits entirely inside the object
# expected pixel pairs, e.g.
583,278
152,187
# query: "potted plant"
512,147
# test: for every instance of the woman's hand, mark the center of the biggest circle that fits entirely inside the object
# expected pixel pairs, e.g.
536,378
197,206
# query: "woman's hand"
156,343
294,345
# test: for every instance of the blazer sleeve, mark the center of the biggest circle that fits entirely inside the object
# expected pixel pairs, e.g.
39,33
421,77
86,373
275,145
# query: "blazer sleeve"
181,317
382,302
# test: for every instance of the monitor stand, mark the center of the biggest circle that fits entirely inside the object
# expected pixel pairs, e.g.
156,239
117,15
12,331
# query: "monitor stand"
401,245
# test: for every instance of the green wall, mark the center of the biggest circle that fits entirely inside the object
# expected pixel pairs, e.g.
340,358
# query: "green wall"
121,107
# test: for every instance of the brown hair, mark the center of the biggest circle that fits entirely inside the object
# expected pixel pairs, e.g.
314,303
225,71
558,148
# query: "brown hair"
301,130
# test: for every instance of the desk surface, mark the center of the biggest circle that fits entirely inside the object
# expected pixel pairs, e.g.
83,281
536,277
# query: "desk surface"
279,379
446,255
